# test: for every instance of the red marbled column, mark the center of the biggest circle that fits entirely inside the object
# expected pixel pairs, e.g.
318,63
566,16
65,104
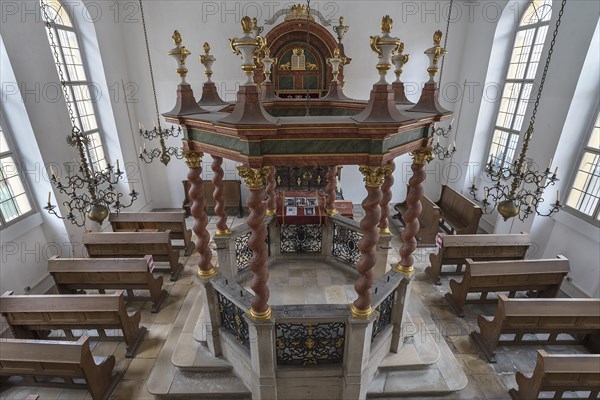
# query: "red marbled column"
254,180
413,202
386,190
331,177
219,196
361,308
196,193
272,199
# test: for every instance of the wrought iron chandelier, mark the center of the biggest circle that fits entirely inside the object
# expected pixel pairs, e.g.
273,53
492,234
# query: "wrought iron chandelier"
99,196
515,199
162,152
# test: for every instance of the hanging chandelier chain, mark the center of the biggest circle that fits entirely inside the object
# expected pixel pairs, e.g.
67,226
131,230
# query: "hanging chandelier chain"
49,25
149,62
445,42
545,74
307,103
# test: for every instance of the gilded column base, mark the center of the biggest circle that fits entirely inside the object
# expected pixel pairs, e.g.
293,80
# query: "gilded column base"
332,212
271,213
361,314
404,269
207,274
226,232
260,316
385,231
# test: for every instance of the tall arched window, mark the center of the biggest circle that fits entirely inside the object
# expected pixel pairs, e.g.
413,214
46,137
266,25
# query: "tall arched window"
79,89
524,62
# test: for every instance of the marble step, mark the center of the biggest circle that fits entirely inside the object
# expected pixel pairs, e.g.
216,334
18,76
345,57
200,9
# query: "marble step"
191,355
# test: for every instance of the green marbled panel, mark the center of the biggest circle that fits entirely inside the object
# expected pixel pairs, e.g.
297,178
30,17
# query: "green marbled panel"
222,141
310,146
407,137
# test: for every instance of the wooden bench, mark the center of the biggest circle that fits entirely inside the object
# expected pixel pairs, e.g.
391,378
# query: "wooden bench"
134,245
40,363
544,276
31,317
579,318
160,221
456,248
232,190
429,221
74,274
560,373
458,212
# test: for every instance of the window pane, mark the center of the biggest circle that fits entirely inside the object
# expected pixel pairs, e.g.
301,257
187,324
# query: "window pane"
594,142
586,187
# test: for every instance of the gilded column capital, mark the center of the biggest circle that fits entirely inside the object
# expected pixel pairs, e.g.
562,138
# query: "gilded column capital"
374,176
193,159
254,178
422,155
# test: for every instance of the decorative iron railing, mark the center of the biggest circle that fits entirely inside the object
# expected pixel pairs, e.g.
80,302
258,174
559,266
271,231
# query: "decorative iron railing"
384,317
232,319
243,253
345,244
310,344
301,238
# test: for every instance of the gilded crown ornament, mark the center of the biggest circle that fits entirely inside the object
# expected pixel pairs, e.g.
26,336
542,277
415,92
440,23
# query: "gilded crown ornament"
180,53
434,53
298,11
385,45
254,178
248,47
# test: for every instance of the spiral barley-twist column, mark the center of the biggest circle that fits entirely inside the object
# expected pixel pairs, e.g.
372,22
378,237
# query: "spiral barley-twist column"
219,196
361,308
196,193
271,200
386,191
413,202
254,179
331,177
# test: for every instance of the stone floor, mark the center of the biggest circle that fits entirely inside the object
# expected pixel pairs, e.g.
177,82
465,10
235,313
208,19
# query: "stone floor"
485,381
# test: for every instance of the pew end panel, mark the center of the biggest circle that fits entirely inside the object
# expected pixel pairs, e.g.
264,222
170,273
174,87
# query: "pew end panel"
458,212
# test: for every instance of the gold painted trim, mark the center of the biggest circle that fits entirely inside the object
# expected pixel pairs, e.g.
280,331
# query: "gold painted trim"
226,232
361,314
332,212
405,270
207,274
260,316
385,231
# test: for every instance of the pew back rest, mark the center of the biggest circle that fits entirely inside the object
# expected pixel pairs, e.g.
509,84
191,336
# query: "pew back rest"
494,274
98,270
479,247
163,221
568,370
549,313
431,212
457,204
114,244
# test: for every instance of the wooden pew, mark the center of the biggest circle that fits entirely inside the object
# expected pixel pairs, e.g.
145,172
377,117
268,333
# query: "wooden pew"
160,221
458,212
429,221
232,190
31,317
456,248
134,245
579,318
40,362
74,274
544,276
560,373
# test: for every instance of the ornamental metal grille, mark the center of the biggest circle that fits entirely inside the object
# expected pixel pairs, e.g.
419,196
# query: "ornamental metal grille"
384,317
243,253
310,344
232,319
301,238
345,244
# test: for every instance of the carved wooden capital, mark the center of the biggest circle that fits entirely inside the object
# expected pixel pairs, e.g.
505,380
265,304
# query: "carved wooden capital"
422,155
254,178
374,177
193,159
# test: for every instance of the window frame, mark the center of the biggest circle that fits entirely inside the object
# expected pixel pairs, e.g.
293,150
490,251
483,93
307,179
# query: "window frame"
71,84
594,218
524,81
12,152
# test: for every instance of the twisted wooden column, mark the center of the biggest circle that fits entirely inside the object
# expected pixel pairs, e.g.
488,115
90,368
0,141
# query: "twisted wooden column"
361,308
271,200
219,195
413,202
196,193
386,190
330,190
254,179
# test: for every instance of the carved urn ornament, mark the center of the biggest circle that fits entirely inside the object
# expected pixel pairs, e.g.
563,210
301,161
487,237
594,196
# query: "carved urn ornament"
385,45
247,46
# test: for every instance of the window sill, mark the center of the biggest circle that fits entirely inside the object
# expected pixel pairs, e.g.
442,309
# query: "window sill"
20,228
577,224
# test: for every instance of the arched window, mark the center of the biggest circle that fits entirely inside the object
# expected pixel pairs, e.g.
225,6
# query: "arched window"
524,62
79,89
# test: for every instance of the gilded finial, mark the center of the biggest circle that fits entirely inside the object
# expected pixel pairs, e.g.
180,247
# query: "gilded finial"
267,52
246,23
176,38
336,52
437,38
206,47
386,24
